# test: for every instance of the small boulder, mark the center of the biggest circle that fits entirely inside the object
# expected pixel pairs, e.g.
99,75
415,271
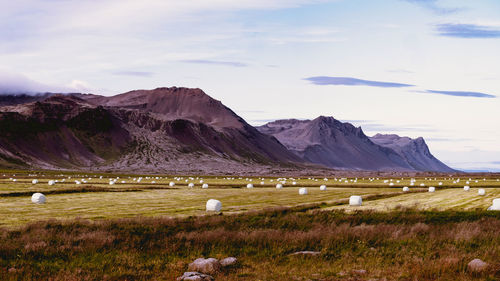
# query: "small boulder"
228,261
195,276
207,266
305,253
477,265
359,271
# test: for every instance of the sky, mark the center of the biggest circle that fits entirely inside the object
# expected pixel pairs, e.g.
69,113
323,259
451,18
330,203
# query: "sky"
427,68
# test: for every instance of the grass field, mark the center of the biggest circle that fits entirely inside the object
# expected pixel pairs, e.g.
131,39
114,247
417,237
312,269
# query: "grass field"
150,230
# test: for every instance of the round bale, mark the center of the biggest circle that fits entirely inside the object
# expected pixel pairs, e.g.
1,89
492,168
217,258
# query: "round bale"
302,191
214,205
355,200
38,198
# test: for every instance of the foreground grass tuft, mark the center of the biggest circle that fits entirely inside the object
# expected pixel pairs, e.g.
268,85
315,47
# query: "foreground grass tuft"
397,245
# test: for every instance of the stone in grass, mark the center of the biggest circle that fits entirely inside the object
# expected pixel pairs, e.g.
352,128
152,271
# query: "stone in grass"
477,265
195,276
207,266
359,271
228,261
305,253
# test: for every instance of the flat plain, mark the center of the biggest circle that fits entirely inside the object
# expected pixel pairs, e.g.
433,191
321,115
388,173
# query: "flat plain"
153,227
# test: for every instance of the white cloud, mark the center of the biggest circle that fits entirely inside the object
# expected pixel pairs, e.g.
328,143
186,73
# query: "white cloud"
11,83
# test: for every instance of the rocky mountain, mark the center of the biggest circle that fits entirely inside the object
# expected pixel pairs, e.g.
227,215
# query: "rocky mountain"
414,151
339,145
166,129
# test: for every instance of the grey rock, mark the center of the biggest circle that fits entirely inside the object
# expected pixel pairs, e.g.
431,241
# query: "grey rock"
207,266
195,276
305,253
228,261
477,265
359,271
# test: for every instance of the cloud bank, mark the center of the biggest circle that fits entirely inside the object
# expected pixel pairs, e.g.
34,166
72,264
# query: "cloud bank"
11,83
214,62
467,31
434,7
350,81
460,94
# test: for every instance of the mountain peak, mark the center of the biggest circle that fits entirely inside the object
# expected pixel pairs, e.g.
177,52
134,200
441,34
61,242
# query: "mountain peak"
175,103
415,151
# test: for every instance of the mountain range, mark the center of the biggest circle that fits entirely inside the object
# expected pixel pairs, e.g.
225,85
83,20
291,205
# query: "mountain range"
185,130
339,145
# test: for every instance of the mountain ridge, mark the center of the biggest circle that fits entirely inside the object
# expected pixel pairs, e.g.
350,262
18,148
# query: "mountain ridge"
327,141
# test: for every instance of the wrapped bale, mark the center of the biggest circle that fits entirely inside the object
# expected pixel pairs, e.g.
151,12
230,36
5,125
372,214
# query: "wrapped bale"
204,185
481,192
249,185
38,198
213,205
355,200
495,206
279,186
406,189
302,191
432,189
322,187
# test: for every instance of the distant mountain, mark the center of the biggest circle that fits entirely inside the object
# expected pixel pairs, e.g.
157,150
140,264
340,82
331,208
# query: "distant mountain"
414,151
166,129
339,145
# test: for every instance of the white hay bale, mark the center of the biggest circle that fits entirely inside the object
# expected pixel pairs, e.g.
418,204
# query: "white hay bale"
191,184
422,184
38,198
294,183
466,188
34,181
391,184
322,187
302,191
111,182
171,184
213,205
406,189
440,183
279,186
481,191
262,183
204,185
355,200
249,185
432,189
495,206
51,182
